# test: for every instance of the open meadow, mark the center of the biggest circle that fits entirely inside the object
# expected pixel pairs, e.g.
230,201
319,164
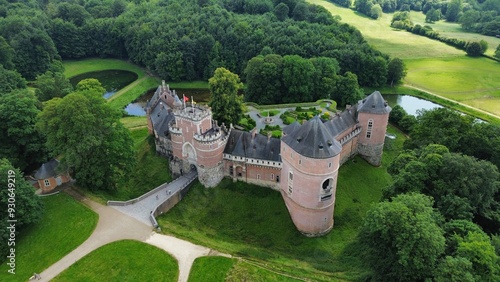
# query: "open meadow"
432,65
65,225
125,260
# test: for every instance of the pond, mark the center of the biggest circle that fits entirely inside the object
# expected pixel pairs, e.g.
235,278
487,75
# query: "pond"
111,80
137,107
410,104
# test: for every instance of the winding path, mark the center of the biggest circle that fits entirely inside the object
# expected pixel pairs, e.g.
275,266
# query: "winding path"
114,225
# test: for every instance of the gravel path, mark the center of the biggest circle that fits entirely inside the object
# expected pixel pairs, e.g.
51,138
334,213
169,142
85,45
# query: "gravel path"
142,209
114,225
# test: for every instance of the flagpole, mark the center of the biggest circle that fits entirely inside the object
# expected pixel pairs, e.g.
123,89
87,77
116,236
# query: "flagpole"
192,102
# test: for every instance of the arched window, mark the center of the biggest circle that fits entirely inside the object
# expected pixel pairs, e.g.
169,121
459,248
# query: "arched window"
326,189
290,182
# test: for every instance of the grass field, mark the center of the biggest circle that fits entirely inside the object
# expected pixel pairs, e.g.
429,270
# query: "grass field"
253,222
453,30
432,66
472,81
126,95
65,225
123,261
208,269
394,42
134,122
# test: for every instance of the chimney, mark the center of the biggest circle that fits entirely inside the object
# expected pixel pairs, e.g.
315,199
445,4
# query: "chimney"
163,84
269,134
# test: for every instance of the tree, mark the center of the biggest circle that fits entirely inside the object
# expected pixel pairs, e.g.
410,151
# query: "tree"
297,78
225,102
6,54
497,52
20,142
89,136
375,11
476,247
281,11
52,84
474,49
484,46
28,208
347,89
396,70
264,79
10,80
90,85
453,9
300,12
403,238
433,15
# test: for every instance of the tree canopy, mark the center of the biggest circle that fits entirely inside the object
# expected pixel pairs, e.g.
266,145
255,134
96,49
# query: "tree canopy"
87,133
226,104
28,208
20,142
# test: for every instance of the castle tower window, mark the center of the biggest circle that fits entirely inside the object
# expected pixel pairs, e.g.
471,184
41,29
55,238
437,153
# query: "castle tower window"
231,170
369,129
326,189
329,165
277,179
290,183
300,162
272,176
258,176
46,182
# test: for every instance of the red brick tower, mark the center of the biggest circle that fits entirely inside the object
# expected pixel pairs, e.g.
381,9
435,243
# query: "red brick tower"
373,115
310,157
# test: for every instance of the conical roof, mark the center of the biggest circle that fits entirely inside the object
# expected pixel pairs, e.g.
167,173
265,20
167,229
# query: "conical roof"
313,140
374,104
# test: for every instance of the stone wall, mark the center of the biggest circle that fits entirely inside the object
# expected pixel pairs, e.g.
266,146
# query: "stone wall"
211,176
371,153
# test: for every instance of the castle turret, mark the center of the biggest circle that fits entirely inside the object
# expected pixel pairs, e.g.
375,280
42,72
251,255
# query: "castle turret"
373,115
310,157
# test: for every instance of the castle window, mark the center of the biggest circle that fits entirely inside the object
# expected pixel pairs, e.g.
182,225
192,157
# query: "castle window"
300,162
329,164
231,170
272,176
326,189
47,182
369,129
258,176
277,179
290,183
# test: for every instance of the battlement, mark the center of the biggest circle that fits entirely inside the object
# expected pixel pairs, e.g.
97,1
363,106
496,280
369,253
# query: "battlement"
209,137
195,113
172,127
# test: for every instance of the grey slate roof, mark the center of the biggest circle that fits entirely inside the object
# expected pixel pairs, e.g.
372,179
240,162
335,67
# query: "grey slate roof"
161,117
342,122
155,97
47,170
313,140
374,104
291,128
241,144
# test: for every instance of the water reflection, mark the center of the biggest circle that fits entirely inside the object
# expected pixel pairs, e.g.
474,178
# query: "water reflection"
410,104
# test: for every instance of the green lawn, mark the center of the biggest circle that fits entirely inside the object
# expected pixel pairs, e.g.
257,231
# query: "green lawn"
394,42
208,269
132,122
150,171
65,225
253,222
472,81
123,261
76,67
126,95
454,30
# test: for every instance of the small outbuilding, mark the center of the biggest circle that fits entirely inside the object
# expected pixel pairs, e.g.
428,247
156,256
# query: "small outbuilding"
49,177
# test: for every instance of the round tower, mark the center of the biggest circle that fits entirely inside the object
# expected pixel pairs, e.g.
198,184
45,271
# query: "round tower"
373,116
310,157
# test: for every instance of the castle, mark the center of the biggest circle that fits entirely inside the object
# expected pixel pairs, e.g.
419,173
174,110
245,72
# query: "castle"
303,165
